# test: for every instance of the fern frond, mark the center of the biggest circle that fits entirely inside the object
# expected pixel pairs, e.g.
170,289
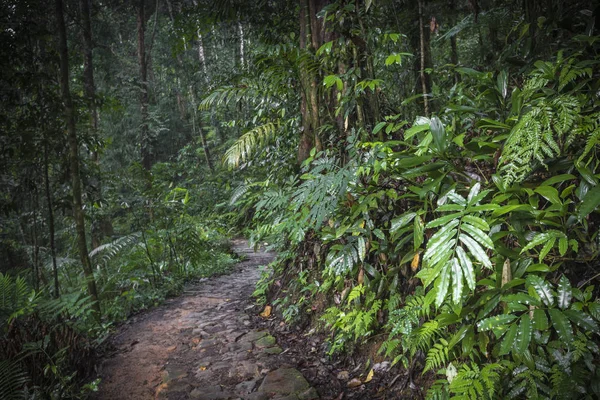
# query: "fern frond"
12,381
249,142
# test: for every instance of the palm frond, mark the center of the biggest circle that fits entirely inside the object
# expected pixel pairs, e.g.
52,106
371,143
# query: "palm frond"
249,142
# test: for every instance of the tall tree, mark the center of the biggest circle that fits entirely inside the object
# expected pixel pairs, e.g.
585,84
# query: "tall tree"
144,96
311,38
74,156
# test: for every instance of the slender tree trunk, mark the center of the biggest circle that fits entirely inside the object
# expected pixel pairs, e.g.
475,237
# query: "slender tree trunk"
51,222
141,50
196,122
241,34
74,157
89,88
423,55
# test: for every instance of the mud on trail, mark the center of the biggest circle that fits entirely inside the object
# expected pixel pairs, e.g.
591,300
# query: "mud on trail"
202,345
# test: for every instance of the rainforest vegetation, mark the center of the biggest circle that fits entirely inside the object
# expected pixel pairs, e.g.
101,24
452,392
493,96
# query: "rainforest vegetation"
427,171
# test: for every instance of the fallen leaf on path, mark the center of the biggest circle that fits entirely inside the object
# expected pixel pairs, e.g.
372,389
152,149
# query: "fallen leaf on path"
369,376
355,382
266,312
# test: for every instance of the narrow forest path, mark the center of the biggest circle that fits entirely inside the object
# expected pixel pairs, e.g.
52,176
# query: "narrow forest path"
201,346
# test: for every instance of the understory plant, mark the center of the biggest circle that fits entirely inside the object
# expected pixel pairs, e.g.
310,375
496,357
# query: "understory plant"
469,237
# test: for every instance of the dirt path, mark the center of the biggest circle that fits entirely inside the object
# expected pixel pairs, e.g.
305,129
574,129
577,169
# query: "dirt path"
201,346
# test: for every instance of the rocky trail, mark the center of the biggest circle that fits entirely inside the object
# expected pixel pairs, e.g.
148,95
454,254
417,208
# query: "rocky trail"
203,345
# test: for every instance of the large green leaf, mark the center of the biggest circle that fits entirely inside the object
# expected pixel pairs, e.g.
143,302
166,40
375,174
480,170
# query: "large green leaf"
476,250
564,293
441,285
550,193
478,235
582,320
467,267
457,281
542,288
589,202
495,322
540,320
509,340
562,326
524,334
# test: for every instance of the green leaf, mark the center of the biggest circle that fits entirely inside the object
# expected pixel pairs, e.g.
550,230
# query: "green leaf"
443,220
457,281
510,208
495,322
440,237
414,130
439,134
441,286
547,247
582,320
550,193
478,235
564,293
562,326
558,179
418,233
508,341
378,127
540,238
401,221
467,267
540,321
542,288
476,250
524,334
563,246
477,222
589,202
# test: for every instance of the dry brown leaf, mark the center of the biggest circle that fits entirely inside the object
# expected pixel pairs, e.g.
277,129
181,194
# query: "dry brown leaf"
361,276
354,383
266,312
415,262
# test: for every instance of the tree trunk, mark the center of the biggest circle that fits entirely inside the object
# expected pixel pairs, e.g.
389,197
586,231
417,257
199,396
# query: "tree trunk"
197,122
311,38
89,89
423,55
74,158
51,222
145,144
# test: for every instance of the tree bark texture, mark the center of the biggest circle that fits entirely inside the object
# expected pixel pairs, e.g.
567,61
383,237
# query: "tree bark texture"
311,38
74,157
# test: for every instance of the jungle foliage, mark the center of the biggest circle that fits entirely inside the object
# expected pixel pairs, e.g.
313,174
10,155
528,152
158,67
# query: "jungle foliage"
427,171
